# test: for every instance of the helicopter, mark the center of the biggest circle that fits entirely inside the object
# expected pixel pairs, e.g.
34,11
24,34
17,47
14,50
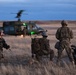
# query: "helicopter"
21,28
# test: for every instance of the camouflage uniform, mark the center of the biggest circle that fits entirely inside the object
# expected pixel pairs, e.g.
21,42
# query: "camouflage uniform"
64,34
44,45
40,47
3,45
35,46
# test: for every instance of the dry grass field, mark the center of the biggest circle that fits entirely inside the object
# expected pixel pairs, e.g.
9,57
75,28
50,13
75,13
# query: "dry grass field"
18,61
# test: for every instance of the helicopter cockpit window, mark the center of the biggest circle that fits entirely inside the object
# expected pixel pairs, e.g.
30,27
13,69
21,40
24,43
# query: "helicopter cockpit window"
34,27
37,26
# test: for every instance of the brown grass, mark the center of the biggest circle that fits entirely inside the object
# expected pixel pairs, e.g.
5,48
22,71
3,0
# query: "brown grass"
18,61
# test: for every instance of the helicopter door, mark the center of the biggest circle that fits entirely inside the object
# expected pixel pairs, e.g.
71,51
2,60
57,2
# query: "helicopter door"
9,29
18,29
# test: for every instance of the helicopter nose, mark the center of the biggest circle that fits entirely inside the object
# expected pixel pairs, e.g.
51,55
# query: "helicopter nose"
44,34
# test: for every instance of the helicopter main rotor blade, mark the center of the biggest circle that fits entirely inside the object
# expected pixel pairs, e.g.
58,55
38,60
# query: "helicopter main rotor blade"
13,13
25,14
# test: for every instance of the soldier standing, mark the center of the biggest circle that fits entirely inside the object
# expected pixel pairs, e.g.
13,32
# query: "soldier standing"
24,32
64,34
3,44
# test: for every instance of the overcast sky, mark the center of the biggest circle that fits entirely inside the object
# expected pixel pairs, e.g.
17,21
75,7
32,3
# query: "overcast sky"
38,9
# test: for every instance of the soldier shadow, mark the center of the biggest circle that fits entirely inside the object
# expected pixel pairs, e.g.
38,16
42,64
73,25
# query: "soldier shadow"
26,60
23,60
16,60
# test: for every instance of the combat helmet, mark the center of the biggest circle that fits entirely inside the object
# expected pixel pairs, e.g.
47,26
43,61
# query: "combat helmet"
64,23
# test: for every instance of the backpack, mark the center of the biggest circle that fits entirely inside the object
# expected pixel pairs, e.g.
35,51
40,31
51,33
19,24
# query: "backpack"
35,45
64,32
57,45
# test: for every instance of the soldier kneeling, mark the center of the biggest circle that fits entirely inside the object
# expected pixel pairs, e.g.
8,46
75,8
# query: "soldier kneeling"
40,47
3,44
